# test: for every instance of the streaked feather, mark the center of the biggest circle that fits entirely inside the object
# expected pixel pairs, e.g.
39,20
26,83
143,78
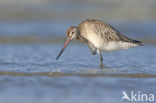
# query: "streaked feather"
109,33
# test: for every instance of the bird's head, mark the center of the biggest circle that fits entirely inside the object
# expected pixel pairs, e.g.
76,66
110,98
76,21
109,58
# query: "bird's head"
72,33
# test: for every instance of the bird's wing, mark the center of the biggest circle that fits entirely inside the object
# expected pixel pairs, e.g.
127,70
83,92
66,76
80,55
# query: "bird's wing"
109,33
101,28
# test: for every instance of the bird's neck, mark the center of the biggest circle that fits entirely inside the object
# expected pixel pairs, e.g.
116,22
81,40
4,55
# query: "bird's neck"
81,39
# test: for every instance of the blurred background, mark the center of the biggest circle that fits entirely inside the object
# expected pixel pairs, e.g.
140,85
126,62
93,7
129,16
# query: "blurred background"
36,19
32,33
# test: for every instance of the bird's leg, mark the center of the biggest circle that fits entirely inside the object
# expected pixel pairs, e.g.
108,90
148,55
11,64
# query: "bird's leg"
92,51
92,48
101,59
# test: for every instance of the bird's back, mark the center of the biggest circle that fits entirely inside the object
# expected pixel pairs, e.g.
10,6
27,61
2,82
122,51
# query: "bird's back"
104,36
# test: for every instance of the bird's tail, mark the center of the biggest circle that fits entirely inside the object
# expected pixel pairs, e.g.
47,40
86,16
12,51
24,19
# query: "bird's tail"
131,41
138,43
128,43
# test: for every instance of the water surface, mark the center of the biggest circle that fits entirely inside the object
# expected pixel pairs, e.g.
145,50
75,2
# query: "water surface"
30,73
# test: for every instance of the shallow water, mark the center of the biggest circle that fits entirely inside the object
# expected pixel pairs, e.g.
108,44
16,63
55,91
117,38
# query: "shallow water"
30,73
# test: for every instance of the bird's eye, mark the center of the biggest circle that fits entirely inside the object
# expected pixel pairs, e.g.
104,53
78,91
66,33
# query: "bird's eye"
73,32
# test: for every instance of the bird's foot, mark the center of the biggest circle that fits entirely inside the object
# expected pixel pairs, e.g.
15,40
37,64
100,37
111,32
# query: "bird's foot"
103,67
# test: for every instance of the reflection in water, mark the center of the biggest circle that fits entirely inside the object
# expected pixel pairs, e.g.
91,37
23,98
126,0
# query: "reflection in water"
103,67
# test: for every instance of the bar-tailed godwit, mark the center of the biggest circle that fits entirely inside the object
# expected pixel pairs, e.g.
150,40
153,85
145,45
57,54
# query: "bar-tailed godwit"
99,36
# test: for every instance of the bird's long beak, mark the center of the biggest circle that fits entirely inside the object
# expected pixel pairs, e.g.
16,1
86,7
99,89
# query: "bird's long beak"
65,45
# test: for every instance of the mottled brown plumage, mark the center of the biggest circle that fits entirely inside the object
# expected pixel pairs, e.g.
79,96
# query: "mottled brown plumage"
99,36
106,31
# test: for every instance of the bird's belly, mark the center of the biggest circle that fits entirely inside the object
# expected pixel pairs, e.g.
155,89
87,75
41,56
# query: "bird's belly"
104,45
114,45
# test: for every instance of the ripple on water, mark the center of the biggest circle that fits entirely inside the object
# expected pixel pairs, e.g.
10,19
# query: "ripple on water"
30,73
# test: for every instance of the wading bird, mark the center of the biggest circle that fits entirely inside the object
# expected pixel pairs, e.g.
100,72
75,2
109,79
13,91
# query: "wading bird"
99,36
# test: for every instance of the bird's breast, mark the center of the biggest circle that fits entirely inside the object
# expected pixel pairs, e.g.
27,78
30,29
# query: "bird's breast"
88,32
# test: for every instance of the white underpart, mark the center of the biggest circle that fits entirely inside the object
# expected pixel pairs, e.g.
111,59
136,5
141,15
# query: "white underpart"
100,44
117,45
